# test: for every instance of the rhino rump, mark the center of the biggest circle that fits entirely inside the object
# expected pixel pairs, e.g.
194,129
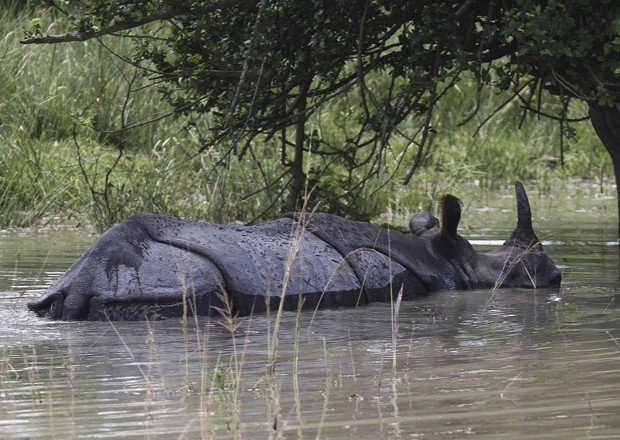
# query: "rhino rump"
127,275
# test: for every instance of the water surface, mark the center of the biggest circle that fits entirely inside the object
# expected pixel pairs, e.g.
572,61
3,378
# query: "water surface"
516,364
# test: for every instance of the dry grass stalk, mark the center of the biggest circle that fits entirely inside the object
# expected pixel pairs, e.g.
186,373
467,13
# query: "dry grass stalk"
509,266
230,319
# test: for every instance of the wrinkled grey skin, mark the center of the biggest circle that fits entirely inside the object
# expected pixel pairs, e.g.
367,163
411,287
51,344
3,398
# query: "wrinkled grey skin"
155,267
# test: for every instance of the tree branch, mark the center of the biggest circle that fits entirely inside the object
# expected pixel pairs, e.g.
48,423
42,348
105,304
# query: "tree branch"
87,35
124,25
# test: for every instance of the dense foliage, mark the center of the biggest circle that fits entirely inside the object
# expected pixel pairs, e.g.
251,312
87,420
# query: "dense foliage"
259,71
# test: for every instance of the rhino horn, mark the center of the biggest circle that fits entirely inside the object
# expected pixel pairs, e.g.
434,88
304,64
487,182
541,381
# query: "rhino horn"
523,235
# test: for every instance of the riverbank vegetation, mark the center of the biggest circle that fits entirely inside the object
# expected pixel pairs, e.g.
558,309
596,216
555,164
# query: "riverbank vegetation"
63,159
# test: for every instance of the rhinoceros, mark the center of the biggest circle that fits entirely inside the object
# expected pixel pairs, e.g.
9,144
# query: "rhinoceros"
153,266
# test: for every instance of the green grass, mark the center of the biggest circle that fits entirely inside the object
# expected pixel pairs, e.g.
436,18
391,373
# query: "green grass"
61,157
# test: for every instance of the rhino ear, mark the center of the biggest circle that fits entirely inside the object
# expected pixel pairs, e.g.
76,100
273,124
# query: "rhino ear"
523,235
450,215
422,222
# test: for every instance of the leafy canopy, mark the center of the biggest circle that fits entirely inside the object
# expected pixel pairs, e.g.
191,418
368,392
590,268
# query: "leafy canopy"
260,69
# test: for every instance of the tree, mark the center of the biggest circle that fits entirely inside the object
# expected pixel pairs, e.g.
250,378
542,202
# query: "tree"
262,68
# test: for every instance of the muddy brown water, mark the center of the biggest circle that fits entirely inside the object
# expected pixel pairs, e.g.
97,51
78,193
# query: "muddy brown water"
517,364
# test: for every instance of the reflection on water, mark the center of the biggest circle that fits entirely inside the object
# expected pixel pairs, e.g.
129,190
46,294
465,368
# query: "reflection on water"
519,364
